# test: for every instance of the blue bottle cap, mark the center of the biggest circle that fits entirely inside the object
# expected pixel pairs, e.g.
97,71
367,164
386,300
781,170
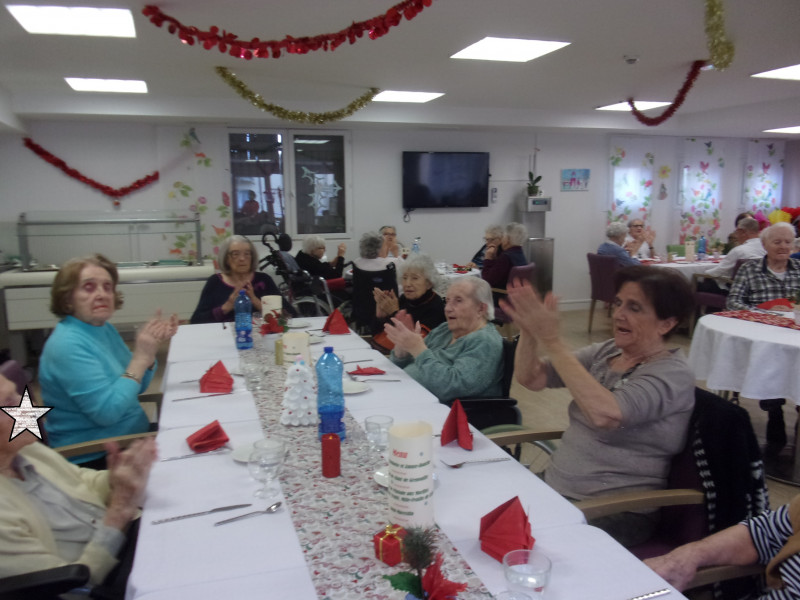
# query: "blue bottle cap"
328,349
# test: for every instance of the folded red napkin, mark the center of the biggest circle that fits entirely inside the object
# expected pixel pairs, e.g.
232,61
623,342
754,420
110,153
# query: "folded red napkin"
335,323
216,380
457,427
271,325
504,529
367,371
770,304
209,438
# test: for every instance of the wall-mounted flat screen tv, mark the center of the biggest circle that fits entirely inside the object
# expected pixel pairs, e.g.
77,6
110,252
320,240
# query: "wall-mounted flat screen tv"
445,179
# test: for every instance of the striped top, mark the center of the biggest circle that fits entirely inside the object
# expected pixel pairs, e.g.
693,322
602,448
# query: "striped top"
770,532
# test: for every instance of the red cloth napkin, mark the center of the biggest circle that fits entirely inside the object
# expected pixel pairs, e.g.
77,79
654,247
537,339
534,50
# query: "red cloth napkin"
770,304
335,323
271,325
216,380
367,371
504,529
457,427
209,438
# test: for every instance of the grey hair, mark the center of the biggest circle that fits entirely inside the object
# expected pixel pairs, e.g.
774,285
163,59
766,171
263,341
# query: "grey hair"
370,245
766,234
516,234
493,231
385,227
615,230
225,248
421,263
480,291
748,224
311,242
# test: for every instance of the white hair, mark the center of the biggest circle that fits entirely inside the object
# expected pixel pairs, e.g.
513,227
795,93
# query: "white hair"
480,291
615,230
312,242
516,234
767,233
421,263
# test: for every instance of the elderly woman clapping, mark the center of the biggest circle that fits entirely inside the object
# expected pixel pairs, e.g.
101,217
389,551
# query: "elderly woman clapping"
419,300
369,249
53,513
87,373
460,358
310,258
632,395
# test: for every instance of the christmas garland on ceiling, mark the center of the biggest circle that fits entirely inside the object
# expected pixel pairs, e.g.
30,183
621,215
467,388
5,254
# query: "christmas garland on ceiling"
719,46
294,115
691,77
75,174
225,41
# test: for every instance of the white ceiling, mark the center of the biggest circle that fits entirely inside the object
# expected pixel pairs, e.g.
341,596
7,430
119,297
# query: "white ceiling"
558,90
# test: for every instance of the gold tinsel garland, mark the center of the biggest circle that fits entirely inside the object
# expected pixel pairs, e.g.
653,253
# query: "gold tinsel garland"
720,47
294,115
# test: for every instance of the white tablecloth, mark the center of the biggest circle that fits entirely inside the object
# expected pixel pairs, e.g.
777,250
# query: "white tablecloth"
757,360
687,269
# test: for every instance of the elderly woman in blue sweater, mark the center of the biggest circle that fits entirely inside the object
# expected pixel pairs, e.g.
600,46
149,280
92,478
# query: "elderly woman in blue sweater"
460,358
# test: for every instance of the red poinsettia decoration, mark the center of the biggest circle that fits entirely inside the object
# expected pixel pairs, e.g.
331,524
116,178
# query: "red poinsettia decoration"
436,586
273,323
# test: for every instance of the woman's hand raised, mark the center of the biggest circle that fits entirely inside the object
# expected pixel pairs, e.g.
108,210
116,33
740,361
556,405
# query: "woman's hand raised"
407,338
536,317
128,472
386,302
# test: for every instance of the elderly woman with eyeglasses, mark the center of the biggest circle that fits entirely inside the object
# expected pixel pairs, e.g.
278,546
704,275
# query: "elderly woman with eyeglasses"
238,261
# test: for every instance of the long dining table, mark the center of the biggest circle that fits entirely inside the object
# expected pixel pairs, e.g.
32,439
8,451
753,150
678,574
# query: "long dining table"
319,543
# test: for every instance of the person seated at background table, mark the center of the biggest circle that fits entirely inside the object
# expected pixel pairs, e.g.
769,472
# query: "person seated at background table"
774,276
310,258
493,235
418,278
54,513
460,358
639,243
238,261
615,233
369,249
497,266
769,539
749,246
632,395
389,246
733,237
86,371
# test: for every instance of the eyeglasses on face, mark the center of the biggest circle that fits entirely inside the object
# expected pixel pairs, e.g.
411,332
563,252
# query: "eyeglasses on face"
240,254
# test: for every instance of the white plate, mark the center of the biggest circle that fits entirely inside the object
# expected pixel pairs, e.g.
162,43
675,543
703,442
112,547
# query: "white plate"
298,323
242,453
315,339
354,387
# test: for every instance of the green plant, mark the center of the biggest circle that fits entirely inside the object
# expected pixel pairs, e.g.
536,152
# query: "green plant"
533,184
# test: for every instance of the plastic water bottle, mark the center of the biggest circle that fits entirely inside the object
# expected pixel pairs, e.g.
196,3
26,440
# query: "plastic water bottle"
415,245
330,398
244,321
701,248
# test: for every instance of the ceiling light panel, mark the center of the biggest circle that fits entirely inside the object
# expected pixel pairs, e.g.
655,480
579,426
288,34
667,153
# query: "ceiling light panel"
78,20
508,49
792,73
397,96
784,130
124,86
640,105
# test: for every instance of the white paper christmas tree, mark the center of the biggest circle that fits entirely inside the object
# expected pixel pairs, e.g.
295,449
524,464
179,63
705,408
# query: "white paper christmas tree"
299,396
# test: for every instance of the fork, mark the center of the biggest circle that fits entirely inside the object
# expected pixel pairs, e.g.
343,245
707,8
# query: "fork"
469,462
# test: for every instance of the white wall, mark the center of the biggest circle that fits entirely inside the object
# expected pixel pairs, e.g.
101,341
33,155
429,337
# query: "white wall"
117,153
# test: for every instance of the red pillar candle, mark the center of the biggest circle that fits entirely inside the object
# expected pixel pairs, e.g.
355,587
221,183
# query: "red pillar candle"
331,455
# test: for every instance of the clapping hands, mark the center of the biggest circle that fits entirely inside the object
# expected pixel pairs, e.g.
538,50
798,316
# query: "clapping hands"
405,335
386,302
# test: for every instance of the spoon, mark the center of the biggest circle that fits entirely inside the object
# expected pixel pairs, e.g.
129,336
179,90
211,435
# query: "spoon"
266,511
469,462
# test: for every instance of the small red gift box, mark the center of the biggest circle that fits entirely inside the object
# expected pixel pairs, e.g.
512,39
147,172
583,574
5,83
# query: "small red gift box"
389,544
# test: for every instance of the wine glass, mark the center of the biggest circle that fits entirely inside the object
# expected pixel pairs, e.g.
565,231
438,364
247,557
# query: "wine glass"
264,464
527,571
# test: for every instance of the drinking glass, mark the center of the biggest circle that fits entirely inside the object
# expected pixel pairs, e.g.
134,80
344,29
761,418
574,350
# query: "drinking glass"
377,428
251,366
527,571
508,595
265,464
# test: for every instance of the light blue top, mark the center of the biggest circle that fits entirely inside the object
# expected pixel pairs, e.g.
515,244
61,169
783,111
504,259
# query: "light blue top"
624,259
472,366
81,378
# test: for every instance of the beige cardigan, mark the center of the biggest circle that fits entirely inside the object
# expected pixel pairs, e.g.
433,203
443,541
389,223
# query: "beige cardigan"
26,541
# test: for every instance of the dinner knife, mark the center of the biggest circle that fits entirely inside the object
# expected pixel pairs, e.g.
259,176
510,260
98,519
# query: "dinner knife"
200,514
196,454
649,595
203,396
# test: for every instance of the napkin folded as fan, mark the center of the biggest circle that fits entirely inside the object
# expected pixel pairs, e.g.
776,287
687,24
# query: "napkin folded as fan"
456,427
271,325
335,323
367,371
216,380
504,529
770,304
209,438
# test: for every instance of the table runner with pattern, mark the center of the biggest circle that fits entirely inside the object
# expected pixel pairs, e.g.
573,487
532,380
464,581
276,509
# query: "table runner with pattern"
761,317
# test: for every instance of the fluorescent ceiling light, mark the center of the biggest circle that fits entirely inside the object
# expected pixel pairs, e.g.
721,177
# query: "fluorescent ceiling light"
311,141
508,49
784,130
65,20
792,73
127,86
624,106
394,96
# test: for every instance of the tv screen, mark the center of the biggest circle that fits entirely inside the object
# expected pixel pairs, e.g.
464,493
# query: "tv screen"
445,179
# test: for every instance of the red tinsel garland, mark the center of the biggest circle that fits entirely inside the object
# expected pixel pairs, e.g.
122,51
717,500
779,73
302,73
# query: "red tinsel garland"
75,174
676,103
375,28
